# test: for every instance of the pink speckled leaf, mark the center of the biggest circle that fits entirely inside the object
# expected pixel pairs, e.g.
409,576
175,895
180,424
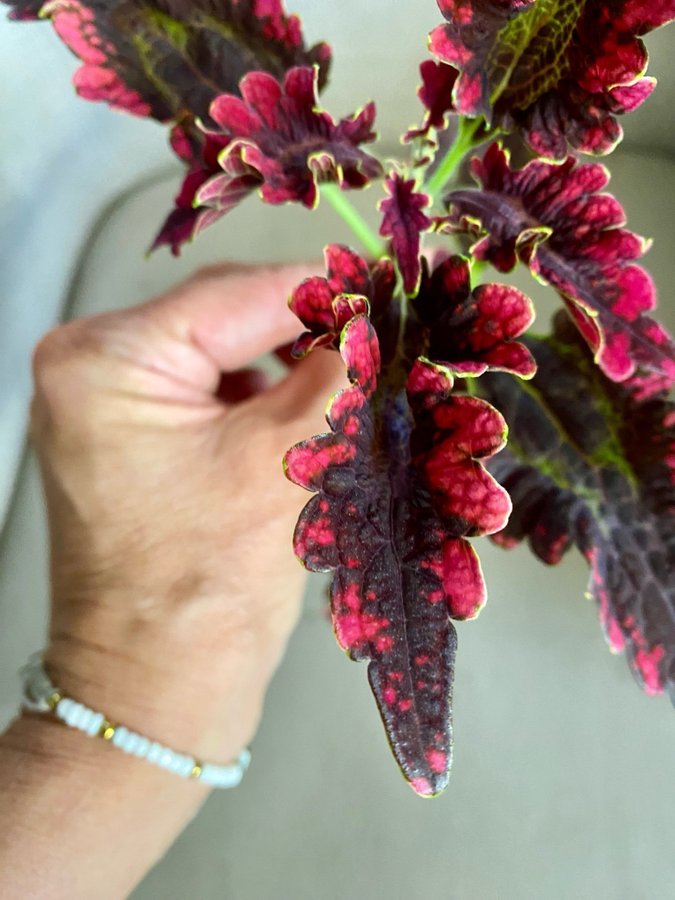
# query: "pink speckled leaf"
599,474
403,221
559,71
399,488
555,219
273,139
467,330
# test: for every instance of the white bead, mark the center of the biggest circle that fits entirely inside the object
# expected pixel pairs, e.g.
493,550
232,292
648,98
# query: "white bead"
221,776
166,758
154,752
172,762
132,742
95,724
186,767
142,747
62,708
120,736
175,764
74,713
86,718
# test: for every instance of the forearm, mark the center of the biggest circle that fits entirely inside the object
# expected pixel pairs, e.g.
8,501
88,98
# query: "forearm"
82,819
79,818
174,584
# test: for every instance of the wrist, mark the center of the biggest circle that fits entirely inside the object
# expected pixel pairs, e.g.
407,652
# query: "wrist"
165,699
60,790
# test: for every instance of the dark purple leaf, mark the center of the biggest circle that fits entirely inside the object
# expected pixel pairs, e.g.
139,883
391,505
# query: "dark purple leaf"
403,221
559,72
438,82
591,465
171,58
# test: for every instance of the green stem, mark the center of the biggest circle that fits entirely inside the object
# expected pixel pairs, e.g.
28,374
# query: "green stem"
360,228
464,141
470,386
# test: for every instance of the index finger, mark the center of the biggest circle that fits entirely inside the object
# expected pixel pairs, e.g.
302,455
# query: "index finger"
232,313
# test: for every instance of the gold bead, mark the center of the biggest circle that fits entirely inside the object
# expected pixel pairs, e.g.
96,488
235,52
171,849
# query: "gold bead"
107,730
196,770
54,700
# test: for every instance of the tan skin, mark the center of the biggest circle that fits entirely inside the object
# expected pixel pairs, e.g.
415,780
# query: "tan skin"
174,586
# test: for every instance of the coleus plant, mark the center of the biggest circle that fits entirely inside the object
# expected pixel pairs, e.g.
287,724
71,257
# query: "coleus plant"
440,361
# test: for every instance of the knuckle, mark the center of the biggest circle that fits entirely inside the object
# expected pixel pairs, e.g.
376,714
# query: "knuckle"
209,273
48,349
54,348
216,271
59,366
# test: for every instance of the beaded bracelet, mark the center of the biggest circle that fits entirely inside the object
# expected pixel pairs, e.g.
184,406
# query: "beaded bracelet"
40,695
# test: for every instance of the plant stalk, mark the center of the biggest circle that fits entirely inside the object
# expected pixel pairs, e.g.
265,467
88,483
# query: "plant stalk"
464,141
358,225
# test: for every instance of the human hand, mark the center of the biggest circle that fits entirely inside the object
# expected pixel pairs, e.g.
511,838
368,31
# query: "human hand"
174,583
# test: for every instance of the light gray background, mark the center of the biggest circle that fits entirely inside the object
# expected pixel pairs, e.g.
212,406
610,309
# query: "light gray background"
564,772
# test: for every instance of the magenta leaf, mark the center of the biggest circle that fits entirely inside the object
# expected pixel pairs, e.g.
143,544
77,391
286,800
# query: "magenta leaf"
169,58
599,474
559,72
466,330
399,488
403,221
278,136
554,219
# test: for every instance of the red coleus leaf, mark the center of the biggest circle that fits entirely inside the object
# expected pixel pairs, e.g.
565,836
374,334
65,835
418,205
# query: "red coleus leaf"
558,70
554,219
274,140
438,82
325,305
472,331
399,488
599,474
468,331
187,218
403,221
168,58
278,137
